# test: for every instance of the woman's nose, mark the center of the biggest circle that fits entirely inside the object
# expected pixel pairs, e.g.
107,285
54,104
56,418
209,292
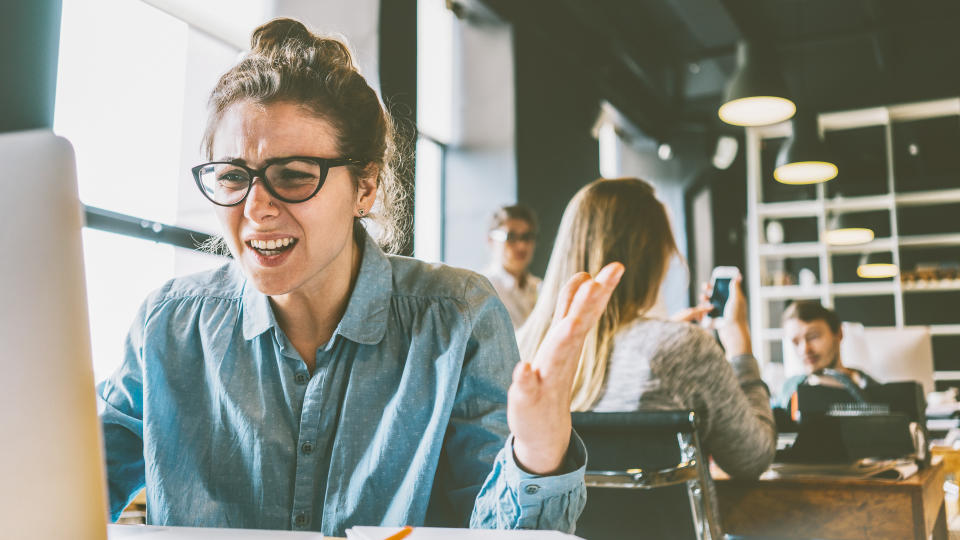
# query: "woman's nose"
259,203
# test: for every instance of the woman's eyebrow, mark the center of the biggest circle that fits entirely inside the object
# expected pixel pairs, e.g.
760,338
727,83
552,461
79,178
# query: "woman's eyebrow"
231,159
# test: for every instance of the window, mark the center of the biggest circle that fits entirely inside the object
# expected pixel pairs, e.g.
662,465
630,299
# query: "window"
434,123
132,86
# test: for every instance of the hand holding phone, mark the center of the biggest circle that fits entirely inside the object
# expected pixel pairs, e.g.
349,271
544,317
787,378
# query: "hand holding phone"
720,282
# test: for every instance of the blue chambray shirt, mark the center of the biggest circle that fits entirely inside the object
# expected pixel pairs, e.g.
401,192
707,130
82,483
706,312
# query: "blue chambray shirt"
402,422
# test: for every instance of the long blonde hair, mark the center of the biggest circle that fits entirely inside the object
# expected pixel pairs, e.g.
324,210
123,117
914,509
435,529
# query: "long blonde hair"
607,220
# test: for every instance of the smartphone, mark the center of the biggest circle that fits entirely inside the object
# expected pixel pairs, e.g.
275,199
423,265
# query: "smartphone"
720,281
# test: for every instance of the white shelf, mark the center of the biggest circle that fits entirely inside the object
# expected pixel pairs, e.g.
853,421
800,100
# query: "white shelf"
946,375
790,292
789,209
866,288
859,204
931,240
923,198
865,203
943,285
791,249
945,329
877,244
818,211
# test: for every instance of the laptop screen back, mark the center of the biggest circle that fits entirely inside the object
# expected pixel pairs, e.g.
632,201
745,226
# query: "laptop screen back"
51,459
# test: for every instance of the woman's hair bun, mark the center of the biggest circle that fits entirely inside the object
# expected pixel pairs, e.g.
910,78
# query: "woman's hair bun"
272,36
291,41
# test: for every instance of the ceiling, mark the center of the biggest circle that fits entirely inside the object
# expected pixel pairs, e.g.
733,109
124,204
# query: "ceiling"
663,63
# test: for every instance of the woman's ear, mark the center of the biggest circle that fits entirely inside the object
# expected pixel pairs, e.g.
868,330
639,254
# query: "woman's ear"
367,187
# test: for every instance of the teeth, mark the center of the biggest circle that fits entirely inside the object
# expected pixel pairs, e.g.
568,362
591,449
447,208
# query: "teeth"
271,244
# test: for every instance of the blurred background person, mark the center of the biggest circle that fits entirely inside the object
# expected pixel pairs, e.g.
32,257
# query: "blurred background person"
815,332
512,237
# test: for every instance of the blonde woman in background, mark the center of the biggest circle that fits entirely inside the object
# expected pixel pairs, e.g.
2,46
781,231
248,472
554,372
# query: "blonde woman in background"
630,361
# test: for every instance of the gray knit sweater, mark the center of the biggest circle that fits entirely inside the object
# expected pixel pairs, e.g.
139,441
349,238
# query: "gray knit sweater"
667,365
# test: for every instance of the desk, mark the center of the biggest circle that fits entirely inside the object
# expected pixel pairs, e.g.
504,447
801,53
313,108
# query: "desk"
835,508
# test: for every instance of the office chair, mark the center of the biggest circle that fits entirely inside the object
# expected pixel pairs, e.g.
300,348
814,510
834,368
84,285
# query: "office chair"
646,477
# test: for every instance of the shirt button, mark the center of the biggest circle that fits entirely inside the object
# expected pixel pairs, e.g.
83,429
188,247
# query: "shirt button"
301,378
532,489
301,520
306,448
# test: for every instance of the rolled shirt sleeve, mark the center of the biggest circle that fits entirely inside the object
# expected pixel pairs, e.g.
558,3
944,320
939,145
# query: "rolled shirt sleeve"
512,498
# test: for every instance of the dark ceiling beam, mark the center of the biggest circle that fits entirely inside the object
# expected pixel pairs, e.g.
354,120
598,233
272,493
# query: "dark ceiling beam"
636,61
868,31
641,103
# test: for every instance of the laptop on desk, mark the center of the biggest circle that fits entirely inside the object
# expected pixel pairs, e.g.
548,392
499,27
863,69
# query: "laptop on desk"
51,458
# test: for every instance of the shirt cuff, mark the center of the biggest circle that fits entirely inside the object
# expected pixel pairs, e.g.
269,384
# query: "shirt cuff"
532,489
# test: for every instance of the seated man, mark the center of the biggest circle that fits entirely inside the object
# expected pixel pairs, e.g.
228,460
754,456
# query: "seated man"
512,239
815,333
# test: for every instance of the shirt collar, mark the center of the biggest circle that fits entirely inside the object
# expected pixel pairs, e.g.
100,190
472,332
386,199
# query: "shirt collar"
365,320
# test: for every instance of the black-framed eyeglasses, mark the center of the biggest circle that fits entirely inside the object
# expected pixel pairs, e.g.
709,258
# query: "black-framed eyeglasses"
292,179
501,235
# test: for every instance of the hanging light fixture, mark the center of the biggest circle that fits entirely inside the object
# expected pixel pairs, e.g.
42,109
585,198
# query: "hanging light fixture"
756,94
876,266
841,231
802,158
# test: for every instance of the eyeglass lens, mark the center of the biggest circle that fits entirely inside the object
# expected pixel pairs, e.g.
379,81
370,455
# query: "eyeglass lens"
501,235
295,180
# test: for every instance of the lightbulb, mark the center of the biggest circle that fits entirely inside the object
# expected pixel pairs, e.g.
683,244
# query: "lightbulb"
757,111
877,270
849,236
805,172
665,151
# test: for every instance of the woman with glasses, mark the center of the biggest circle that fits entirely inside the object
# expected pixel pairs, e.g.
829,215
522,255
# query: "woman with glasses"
315,382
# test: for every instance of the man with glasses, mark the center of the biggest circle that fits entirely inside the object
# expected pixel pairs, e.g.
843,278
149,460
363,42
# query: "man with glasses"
512,239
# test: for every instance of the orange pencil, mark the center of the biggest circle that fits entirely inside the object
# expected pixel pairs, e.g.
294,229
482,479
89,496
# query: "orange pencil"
402,533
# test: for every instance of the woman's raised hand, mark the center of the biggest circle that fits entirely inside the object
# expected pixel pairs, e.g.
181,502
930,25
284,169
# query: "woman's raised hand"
538,402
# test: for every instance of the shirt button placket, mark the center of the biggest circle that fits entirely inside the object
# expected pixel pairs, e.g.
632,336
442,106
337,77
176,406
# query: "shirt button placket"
303,497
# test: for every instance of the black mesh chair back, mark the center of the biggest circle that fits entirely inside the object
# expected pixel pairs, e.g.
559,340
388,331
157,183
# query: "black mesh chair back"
646,477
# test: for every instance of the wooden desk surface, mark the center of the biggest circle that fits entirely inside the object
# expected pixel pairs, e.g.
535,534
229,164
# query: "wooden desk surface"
835,507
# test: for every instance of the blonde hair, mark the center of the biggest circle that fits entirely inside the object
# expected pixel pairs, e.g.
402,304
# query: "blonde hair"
607,220
289,63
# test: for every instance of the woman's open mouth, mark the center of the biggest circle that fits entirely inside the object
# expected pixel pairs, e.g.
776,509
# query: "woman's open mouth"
270,248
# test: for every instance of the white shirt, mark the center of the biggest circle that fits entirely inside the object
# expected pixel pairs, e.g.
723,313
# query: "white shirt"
519,301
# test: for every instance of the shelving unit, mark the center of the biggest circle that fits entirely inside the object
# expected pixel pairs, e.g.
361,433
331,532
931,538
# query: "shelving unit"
877,194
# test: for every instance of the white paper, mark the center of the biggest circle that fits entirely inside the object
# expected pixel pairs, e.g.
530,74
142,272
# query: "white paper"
432,533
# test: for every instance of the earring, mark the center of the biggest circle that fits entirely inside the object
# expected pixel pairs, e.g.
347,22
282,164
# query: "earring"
361,211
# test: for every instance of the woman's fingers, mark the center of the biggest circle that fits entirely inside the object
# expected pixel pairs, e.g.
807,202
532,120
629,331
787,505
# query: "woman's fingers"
591,298
567,293
560,350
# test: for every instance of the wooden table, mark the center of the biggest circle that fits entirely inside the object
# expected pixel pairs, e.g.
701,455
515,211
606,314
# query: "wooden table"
836,508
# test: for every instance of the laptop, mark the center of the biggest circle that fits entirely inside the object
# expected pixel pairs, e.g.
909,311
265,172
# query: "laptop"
51,456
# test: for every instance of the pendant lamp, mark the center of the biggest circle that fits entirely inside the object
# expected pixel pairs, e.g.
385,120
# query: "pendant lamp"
803,157
876,266
842,230
756,94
